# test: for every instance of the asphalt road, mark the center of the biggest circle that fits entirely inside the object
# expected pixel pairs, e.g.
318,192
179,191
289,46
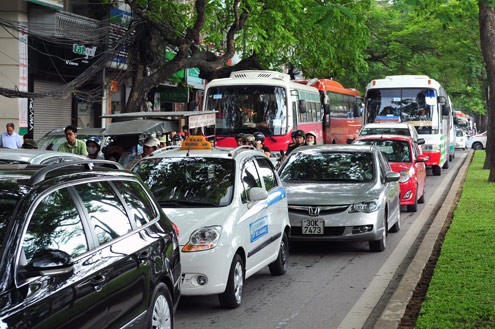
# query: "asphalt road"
324,283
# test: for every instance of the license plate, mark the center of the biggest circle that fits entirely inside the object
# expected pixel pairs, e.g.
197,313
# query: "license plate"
312,226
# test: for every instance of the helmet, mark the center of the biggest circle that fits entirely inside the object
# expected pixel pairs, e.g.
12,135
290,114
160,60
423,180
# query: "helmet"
259,136
177,138
248,138
300,133
93,139
152,142
312,133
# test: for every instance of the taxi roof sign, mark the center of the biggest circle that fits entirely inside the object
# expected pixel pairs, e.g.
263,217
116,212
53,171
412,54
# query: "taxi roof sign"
196,143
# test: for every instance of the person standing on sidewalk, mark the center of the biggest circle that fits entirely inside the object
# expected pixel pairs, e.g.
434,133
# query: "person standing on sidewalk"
10,139
73,145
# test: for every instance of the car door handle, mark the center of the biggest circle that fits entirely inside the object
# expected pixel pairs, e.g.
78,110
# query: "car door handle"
144,256
97,282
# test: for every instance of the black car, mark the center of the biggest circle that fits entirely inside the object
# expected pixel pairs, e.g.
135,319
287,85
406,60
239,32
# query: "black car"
84,246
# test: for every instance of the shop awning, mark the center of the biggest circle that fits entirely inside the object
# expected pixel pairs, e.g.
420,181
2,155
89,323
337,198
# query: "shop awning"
138,127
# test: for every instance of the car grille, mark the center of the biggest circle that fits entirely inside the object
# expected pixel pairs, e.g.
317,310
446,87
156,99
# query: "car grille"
323,210
328,231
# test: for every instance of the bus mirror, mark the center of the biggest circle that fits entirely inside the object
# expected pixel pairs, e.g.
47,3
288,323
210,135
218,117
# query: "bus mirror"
442,100
302,106
445,110
326,109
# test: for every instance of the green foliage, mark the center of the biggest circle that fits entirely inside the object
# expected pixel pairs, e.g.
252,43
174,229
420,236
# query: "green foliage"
461,291
436,38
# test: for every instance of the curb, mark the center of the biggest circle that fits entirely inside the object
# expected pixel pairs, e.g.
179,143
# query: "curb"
397,304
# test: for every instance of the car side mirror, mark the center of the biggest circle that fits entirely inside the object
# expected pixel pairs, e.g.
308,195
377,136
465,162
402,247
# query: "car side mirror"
257,194
49,262
420,141
423,158
392,176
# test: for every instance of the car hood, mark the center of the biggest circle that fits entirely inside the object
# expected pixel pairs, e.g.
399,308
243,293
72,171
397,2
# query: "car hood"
330,193
190,219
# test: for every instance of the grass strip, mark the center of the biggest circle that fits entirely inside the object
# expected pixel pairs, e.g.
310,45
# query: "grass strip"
461,293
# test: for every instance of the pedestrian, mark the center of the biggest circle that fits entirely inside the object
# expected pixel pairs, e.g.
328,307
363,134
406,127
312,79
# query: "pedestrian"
310,138
73,145
259,143
28,142
93,147
10,139
239,138
150,145
299,140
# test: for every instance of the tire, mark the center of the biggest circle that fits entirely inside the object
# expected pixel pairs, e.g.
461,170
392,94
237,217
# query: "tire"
413,207
160,314
446,164
422,199
280,265
396,227
381,244
477,146
232,297
436,170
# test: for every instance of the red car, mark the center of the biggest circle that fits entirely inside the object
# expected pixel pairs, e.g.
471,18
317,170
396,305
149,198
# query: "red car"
406,158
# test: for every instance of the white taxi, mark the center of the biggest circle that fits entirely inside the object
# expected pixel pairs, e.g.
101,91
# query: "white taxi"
231,211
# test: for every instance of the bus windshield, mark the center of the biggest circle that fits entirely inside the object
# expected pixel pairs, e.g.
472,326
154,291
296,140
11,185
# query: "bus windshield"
414,105
248,108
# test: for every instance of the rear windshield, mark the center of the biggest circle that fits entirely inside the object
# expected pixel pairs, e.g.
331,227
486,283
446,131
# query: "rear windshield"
385,131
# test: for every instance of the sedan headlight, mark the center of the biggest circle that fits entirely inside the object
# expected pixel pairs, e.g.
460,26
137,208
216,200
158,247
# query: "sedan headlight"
204,238
406,175
366,207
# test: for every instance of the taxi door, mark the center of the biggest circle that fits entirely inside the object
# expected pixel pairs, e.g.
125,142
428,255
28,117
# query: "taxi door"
254,222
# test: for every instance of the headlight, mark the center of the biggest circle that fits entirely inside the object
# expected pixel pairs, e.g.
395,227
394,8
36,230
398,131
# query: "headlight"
366,207
204,238
406,175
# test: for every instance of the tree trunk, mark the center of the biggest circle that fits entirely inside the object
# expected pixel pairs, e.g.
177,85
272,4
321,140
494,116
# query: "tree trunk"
487,38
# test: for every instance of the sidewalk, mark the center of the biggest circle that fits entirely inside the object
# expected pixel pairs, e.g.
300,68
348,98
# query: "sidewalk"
396,306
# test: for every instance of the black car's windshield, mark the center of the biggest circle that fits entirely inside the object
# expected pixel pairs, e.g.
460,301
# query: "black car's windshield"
329,167
189,182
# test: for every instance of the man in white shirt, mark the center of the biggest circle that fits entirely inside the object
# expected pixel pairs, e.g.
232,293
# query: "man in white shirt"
10,139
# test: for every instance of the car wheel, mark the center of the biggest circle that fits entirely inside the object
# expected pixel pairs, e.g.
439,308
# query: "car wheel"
477,146
279,266
413,207
232,297
446,164
436,170
160,312
422,199
381,244
396,227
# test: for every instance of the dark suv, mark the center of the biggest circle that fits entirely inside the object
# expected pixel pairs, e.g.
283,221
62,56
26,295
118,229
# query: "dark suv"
84,246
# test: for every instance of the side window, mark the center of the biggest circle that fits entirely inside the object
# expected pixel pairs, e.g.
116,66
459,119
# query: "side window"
55,224
106,214
267,173
250,179
137,200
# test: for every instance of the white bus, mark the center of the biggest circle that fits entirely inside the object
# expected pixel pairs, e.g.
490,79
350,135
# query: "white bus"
419,100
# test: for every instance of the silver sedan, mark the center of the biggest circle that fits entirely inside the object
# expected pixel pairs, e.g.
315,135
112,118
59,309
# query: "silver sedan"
341,193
